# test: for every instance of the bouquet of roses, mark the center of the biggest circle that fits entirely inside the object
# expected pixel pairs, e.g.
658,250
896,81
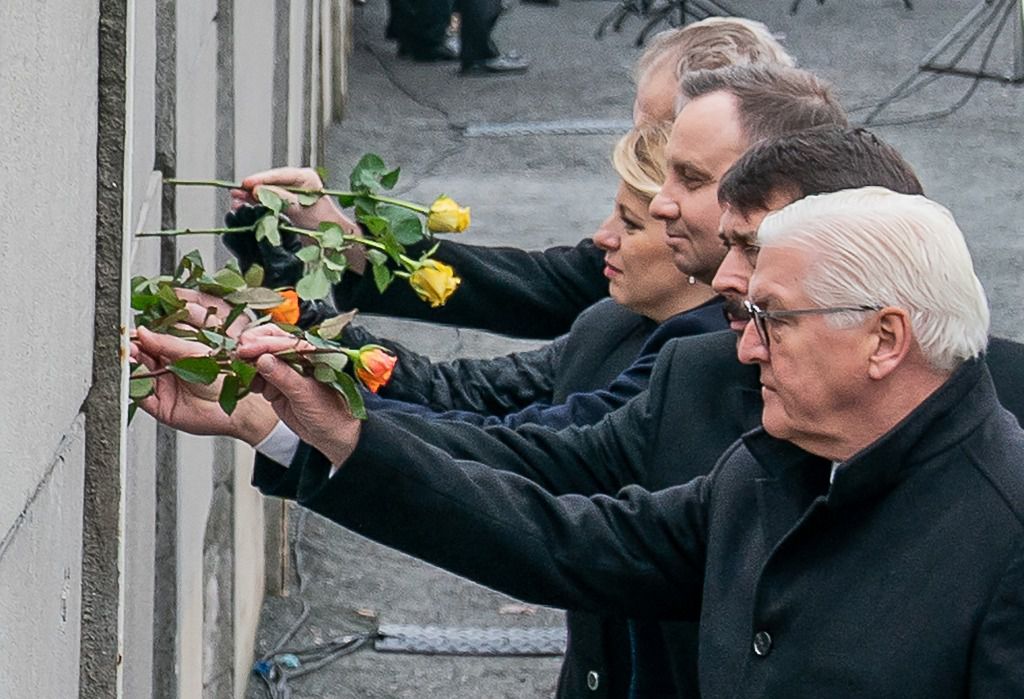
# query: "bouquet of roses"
389,226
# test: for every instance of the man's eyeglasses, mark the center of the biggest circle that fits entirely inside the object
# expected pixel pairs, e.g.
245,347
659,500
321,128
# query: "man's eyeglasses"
761,316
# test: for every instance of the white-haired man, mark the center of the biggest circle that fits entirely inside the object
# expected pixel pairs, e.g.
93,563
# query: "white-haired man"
868,541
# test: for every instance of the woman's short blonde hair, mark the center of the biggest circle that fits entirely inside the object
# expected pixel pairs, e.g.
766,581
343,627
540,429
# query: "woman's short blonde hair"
639,157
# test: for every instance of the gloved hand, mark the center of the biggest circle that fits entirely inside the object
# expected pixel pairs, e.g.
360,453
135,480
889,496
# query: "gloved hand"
281,267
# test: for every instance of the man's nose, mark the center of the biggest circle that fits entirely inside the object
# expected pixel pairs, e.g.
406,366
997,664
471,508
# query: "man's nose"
662,207
733,274
750,349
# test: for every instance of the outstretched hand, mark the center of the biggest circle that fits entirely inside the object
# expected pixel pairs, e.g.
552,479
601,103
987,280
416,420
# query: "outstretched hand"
193,407
315,412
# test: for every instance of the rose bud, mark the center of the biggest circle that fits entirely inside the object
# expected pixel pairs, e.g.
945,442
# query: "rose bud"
446,216
434,282
374,367
288,311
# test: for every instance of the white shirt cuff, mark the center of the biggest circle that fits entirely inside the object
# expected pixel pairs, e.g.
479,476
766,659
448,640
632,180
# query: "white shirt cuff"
280,445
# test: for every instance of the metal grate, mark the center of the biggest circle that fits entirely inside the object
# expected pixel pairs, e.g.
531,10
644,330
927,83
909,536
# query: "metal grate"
439,640
564,127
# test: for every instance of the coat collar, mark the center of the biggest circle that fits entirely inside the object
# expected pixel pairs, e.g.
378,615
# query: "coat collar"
945,418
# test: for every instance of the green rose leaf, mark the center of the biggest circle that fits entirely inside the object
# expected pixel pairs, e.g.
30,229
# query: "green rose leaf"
336,261
346,385
244,371
257,298
270,199
309,253
266,229
191,262
367,173
323,373
346,200
140,388
229,279
229,390
202,370
332,237
331,328
376,257
315,285
375,224
337,361
254,275
236,311
308,199
406,227
382,277
389,179
169,320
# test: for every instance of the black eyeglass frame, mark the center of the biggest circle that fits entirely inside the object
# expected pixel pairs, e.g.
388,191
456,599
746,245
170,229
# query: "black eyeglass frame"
760,317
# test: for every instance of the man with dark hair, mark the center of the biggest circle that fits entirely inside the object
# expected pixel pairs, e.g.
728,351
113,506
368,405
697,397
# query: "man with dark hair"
701,399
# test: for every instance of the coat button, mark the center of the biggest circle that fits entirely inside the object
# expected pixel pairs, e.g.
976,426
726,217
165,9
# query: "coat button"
593,681
762,643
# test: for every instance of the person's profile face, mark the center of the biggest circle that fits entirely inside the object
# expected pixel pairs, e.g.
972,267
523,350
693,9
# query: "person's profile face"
706,140
656,93
737,232
812,371
638,266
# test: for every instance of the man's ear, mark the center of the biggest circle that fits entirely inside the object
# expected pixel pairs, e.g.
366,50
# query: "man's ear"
893,342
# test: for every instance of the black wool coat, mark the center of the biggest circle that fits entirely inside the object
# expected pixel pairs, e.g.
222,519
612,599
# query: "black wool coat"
904,577
603,341
700,400
541,292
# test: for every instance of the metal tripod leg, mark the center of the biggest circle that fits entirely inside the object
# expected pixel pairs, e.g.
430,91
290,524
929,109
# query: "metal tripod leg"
926,63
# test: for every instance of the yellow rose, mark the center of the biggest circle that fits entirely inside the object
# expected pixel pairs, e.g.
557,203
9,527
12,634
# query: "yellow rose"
434,282
446,216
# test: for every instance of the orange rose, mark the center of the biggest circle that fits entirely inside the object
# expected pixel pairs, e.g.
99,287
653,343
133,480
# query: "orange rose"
288,310
374,367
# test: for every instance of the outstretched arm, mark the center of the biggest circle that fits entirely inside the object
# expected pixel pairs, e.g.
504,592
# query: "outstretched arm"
641,554
491,386
532,294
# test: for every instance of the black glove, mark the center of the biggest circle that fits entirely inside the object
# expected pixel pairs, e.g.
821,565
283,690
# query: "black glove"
281,268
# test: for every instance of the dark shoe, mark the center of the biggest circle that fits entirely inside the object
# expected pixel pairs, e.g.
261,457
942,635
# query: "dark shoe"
448,50
505,63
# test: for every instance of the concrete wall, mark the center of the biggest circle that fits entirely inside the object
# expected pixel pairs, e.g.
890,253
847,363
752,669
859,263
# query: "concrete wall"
131,560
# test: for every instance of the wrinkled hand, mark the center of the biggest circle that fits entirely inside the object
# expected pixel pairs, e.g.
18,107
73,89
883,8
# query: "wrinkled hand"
315,412
209,311
192,407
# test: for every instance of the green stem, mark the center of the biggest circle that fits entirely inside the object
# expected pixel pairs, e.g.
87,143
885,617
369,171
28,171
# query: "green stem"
350,238
195,231
418,208
203,183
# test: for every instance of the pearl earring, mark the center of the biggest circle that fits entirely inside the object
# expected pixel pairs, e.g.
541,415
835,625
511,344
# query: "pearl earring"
691,280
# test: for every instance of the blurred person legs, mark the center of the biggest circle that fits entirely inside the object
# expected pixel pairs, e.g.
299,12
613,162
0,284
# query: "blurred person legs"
421,29
480,55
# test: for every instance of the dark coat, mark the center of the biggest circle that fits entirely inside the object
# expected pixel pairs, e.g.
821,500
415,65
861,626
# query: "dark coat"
699,402
543,292
602,343
588,347
903,578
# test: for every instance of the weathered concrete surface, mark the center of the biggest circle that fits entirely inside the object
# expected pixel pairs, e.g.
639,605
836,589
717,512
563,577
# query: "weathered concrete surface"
534,191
